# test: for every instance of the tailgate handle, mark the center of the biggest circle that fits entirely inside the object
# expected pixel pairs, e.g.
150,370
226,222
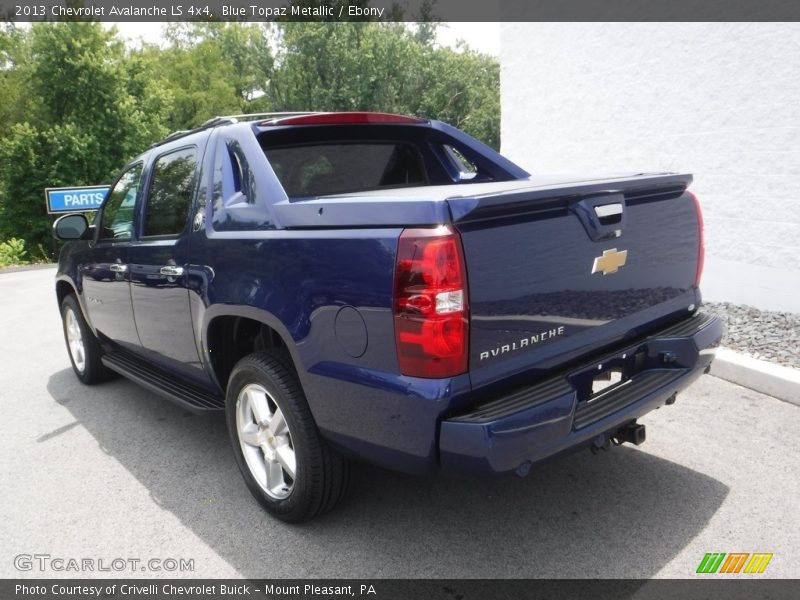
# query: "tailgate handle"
603,216
609,213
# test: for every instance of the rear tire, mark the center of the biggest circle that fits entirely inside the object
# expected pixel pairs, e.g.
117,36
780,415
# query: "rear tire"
286,464
82,345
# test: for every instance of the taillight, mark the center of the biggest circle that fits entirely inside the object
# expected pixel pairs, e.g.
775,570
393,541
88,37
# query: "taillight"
430,303
701,252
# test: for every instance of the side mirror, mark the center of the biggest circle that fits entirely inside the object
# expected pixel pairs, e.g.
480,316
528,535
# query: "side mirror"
70,227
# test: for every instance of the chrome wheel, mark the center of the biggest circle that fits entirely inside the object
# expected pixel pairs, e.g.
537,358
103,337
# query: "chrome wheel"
266,441
286,464
77,348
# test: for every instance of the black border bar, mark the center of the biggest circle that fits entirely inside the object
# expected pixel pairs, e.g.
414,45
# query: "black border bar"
400,10
711,587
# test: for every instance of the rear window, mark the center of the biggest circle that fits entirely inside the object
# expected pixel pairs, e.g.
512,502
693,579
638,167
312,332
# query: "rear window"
339,168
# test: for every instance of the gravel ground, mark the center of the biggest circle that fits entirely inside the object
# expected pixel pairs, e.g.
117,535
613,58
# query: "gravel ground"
766,335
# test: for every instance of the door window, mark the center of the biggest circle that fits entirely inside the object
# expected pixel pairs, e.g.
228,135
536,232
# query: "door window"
117,217
171,192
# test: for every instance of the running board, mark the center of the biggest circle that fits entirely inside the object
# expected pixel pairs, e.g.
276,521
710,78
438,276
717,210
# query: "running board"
185,395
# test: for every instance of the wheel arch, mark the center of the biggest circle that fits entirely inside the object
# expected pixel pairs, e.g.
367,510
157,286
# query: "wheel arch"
64,288
231,332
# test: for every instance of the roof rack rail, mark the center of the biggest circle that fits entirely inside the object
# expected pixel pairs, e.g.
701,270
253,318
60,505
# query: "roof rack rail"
210,124
172,136
268,115
228,120
214,121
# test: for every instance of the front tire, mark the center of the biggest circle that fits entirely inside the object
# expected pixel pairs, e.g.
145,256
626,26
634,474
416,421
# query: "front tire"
286,464
82,346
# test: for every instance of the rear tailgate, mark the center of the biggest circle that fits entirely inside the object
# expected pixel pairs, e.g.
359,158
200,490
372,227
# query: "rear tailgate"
557,271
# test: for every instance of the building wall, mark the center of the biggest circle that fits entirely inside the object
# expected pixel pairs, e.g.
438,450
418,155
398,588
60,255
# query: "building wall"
720,100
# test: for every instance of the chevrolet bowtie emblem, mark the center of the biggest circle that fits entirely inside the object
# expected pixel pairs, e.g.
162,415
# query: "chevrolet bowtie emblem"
610,262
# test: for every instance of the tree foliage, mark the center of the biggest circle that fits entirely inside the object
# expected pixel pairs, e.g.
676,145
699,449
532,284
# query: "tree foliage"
12,252
85,111
78,103
386,67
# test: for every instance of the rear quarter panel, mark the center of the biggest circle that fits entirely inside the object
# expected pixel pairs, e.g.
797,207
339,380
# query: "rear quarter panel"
329,294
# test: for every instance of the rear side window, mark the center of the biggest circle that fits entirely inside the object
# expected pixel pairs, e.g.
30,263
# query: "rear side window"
171,190
233,179
465,169
338,168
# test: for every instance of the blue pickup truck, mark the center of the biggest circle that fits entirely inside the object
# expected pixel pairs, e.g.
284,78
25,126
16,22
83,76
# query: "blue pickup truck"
385,288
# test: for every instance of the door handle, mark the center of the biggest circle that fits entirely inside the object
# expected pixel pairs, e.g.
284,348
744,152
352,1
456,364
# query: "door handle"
118,268
171,271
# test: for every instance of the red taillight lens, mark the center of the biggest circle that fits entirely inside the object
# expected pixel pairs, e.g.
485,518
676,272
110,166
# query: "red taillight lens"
701,251
430,303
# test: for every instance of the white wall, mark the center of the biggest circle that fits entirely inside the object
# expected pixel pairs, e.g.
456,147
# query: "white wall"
720,100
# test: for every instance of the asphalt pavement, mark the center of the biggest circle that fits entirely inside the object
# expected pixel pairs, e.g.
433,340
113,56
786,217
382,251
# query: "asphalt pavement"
114,472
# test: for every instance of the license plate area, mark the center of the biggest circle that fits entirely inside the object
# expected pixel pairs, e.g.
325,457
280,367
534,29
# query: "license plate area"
605,380
611,373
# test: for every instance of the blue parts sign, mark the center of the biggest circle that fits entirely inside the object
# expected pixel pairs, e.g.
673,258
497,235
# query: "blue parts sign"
75,199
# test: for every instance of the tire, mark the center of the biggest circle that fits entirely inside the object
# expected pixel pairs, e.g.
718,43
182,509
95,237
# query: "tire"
286,464
82,346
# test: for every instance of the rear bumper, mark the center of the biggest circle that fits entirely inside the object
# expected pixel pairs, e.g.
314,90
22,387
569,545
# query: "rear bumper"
549,417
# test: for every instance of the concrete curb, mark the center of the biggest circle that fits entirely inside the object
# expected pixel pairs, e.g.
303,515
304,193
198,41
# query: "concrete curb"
777,381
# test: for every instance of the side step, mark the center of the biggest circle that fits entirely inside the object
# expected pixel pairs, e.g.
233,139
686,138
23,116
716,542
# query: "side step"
186,395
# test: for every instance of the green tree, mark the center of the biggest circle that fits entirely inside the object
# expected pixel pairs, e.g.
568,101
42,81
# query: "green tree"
462,88
385,67
24,179
342,66
78,104
213,69
13,50
82,120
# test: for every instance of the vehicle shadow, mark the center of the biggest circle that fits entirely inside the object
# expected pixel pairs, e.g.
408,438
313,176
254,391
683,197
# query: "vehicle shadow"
621,514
